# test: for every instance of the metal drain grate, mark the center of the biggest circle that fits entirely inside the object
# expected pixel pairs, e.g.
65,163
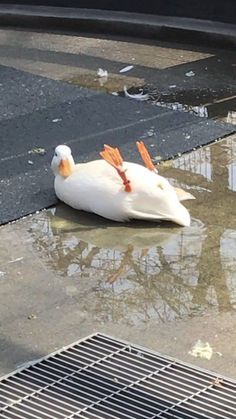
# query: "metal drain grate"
105,378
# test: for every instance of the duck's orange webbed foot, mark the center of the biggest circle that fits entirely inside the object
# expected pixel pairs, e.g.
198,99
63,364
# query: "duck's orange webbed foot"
113,157
143,151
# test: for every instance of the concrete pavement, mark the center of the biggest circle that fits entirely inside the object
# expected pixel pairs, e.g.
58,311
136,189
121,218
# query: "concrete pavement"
65,274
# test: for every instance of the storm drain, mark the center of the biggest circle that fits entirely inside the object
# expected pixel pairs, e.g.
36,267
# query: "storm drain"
105,378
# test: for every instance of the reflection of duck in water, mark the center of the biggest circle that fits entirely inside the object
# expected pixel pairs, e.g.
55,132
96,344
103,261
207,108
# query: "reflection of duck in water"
105,234
119,191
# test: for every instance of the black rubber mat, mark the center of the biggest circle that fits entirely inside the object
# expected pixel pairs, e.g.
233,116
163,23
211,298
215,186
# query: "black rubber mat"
36,112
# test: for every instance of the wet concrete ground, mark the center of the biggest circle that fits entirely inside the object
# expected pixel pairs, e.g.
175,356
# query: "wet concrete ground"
163,67
64,275
196,79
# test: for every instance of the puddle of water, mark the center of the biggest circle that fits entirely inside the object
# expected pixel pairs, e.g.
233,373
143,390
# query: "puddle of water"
199,110
221,109
138,272
109,84
191,97
205,103
201,102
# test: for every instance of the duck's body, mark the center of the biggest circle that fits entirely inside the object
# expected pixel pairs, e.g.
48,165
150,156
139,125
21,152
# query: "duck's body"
97,187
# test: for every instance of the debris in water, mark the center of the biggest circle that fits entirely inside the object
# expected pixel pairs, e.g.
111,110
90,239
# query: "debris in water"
137,96
166,163
157,158
103,76
56,120
127,68
2,274
201,111
115,93
150,133
37,150
30,162
172,86
102,73
190,74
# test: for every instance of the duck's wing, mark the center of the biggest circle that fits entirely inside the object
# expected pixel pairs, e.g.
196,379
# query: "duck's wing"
180,217
158,202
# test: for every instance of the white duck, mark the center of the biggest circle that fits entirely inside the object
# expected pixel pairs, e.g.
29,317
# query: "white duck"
118,190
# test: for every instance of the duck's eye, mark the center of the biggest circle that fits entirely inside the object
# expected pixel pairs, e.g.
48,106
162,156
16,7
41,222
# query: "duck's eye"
55,154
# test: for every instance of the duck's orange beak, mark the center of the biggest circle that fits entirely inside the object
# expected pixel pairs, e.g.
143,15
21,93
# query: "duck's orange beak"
65,168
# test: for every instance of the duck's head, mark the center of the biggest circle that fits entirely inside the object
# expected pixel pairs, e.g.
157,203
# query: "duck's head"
62,163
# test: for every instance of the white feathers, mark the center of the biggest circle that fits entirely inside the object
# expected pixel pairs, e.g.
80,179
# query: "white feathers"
102,76
190,74
138,96
127,68
102,73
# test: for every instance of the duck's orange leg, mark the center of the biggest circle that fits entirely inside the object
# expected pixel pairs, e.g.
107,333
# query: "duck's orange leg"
145,156
113,157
